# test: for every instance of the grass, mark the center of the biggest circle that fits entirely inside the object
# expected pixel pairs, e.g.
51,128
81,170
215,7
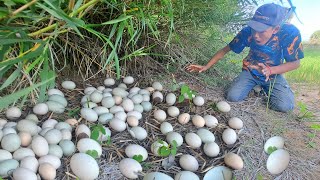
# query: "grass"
309,70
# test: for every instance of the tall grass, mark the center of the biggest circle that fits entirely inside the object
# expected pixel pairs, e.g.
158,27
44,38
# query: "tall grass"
309,70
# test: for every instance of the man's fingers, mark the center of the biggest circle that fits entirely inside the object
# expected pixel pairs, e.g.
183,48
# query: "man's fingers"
261,65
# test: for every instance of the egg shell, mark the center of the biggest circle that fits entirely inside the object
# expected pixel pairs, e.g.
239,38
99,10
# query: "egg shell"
130,167
59,99
235,123
198,101
211,149
55,150
127,105
47,171
157,86
275,141
229,136
89,114
218,173
68,147
156,146
166,127
50,123
53,136
40,146
188,162
82,128
40,109
25,138
108,102
193,140
132,121
13,113
128,80
278,161
84,166
10,142
160,115
86,144
6,167
23,174
138,133
32,117
210,121
134,149
55,91
156,175
101,110
30,162
115,109
96,96
223,106
171,99
205,135
233,160
109,82
173,111
184,118
27,126
21,153
157,97
174,136
186,175
4,155
70,85
117,125
147,106
120,92
55,107
51,159
198,121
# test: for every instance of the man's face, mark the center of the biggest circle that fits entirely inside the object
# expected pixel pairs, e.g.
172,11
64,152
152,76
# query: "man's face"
262,38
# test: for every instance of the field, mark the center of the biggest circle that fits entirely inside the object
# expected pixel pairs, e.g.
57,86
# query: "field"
309,70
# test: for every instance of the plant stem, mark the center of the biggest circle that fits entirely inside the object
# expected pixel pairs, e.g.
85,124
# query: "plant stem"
92,2
43,30
23,7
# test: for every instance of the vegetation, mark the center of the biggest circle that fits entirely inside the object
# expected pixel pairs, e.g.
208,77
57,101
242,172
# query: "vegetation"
315,38
309,70
41,38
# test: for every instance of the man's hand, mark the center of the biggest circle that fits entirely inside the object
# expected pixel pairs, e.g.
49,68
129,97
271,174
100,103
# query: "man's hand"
197,68
264,69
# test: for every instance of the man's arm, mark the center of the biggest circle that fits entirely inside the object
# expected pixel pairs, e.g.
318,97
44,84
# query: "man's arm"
286,67
216,57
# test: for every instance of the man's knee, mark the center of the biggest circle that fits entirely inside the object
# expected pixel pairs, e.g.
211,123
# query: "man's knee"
282,106
234,96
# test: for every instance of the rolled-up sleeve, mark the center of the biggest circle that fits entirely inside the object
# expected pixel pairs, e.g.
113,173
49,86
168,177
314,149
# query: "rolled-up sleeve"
241,40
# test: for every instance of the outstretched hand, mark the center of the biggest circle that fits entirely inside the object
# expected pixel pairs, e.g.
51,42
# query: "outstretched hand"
196,68
264,69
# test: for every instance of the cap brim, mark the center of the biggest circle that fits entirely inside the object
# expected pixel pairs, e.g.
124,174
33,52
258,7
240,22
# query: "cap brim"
258,26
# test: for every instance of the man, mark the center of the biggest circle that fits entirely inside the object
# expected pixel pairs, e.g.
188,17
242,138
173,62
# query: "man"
272,41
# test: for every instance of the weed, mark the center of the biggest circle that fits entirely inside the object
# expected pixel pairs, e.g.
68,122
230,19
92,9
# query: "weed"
186,91
271,149
74,112
167,150
303,111
313,135
95,132
92,153
138,158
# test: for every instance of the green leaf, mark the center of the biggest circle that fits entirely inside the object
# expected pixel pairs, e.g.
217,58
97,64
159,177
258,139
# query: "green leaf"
181,98
174,151
312,144
138,158
311,135
11,79
184,89
259,177
95,134
160,141
164,151
271,149
9,99
101,129
315,126
92,153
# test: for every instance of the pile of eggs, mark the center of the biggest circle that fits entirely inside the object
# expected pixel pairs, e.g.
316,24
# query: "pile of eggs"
31,151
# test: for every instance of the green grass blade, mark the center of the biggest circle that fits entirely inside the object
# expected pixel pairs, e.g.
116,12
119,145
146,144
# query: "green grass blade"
11,79
13,41
9,99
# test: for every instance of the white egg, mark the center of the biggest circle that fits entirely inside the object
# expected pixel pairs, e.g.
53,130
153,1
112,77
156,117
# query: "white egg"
173,111
89,114
50,123
136,114
235,123
96,96
223,106
130,168
127,105
32,117
41,109
278,161
30,162
128,80
108,102
4,155
157,86
157,97
171,136
210,121
6,167
40,146
10,142
171,99
275,141
109,82
84,166
188,162
193,140
82,128
13,113
68,85
229,136
86,144
59,99
47,171
117,124
88,90
156,176
147,106
198,101
55,107
134,149
186,175
21,153
68,147
55,91
27,126
23,174
166,127
160,115
53,136
211,149
218,173
138,133
51,159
